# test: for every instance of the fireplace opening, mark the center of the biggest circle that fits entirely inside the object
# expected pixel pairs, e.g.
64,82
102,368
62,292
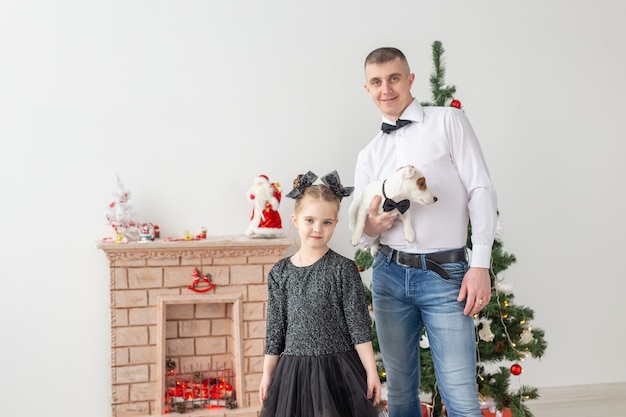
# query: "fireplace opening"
199,354
195,388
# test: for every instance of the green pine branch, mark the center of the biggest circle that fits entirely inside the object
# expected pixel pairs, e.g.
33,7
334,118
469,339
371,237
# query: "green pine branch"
440,93
363,259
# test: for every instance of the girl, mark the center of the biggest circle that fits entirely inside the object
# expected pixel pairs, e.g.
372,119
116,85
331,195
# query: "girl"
319,359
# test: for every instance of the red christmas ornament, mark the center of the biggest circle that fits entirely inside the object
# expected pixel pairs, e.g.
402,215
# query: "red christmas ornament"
455,103
516,369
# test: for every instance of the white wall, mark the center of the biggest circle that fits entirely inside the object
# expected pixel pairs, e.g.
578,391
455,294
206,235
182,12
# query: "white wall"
188,101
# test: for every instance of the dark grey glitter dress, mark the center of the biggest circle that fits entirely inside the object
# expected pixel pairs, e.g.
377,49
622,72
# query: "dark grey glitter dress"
315,316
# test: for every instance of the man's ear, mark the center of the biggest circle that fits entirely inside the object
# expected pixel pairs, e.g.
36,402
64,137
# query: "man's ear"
411,79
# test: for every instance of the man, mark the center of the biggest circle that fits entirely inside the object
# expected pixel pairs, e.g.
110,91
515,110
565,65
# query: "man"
428,283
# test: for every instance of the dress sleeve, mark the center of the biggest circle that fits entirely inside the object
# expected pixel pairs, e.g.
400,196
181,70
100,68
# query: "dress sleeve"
355,306
276,324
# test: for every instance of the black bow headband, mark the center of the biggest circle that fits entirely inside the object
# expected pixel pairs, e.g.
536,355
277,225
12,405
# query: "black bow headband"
331,180
304,181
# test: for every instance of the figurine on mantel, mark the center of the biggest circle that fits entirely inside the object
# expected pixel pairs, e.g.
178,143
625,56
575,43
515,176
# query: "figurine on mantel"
147,232
187,236
265,219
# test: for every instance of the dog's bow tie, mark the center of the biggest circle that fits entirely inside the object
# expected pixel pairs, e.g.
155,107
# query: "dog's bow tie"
387,128
389,204
402,206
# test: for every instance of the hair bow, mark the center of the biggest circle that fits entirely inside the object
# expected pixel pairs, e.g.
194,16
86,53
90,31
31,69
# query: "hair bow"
304,181
332,181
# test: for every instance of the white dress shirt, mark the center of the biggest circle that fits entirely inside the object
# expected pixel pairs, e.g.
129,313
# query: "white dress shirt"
442,144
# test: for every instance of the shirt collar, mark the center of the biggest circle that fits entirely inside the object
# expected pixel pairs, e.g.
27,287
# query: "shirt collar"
414,112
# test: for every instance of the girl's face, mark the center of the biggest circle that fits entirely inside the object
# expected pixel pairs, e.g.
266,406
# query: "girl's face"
316,222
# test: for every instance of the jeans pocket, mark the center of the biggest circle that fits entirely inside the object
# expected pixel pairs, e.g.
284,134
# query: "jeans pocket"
456,270
378,260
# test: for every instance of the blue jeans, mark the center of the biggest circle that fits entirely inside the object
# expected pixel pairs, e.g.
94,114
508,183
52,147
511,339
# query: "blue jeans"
406,300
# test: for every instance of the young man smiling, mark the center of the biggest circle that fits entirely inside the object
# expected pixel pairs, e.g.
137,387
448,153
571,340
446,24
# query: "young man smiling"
429,283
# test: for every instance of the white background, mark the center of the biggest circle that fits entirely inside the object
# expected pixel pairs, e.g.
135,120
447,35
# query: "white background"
189,101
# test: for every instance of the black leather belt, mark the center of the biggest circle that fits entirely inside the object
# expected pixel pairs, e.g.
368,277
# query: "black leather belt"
433,260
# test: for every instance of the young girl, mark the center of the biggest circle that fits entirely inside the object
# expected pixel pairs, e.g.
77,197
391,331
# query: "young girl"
319,359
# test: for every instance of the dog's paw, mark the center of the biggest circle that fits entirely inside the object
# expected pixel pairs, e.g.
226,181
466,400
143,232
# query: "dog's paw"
409,235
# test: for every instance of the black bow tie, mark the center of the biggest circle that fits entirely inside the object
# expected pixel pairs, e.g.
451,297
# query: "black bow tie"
387,128
402,206
389,204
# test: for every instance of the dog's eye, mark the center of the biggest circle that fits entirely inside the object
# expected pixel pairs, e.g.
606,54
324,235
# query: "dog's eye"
421,184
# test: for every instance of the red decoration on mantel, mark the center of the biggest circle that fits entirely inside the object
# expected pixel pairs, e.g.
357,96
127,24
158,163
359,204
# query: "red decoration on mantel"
265,220
198,278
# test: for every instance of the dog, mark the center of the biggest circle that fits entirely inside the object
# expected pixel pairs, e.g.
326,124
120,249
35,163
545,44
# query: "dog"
406,185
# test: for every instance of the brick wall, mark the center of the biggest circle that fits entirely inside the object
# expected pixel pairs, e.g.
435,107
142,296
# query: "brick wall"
154,315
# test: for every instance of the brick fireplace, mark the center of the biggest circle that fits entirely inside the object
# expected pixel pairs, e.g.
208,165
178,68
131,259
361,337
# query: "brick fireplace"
162,312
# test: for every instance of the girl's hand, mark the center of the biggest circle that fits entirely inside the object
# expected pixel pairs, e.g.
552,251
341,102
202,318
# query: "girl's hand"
265,384
373,388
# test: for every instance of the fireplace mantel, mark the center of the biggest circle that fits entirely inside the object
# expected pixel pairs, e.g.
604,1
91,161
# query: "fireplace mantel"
212,246
146,277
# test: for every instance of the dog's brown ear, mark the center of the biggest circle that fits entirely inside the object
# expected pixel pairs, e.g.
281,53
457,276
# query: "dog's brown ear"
421,184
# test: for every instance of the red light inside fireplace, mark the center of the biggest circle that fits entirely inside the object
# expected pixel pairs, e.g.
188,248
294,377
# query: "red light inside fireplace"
193,391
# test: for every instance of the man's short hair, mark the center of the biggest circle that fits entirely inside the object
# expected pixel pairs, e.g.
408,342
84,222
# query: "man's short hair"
386,54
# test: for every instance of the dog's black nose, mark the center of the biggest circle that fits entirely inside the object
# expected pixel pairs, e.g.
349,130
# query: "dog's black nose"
435,199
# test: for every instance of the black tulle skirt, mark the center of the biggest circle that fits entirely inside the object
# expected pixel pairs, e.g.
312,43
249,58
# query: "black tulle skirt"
332,385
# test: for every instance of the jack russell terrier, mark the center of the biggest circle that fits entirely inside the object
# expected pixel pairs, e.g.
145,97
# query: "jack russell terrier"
397,191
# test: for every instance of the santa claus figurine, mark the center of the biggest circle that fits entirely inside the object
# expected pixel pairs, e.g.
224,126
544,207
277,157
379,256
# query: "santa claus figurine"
265,220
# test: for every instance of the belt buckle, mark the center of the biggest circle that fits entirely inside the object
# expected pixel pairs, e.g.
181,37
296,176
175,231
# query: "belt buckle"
397,258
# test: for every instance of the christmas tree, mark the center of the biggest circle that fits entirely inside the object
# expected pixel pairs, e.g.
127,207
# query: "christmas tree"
504,334
119,215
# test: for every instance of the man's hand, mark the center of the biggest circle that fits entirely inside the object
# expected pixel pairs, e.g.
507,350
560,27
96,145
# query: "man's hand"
476,290
376,223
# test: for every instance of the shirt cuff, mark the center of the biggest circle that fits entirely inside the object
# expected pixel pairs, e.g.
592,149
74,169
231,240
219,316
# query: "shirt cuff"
367,241
481,256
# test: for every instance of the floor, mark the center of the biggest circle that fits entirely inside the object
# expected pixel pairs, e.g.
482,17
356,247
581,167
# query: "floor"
606,400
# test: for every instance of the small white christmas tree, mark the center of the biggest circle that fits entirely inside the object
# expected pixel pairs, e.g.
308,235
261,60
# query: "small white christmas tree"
119,215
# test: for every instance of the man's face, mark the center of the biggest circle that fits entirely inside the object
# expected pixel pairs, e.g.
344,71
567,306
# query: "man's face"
389,85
